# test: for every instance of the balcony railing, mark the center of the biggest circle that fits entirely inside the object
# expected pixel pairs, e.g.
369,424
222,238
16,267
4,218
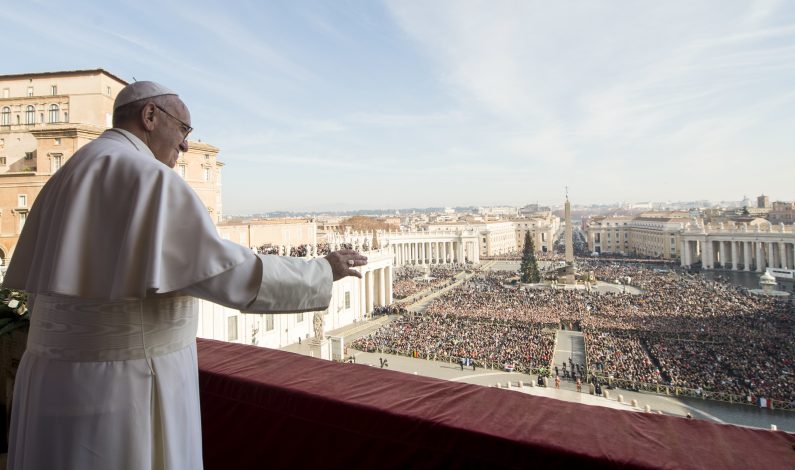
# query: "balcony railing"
269,408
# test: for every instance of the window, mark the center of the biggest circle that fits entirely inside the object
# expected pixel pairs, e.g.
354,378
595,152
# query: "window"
6,92
231,328
107,91
22,200
6,119
30,115
56,162
30,91
28,155
347,300
23,216
206,174
65,116
3,161
53,90
269,322
57,141
182,171
54,113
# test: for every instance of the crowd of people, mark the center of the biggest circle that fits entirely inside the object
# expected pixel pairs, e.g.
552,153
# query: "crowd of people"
478,341
321,249
411,280
681,330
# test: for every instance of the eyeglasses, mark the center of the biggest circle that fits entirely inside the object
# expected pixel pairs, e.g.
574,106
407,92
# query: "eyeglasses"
186,129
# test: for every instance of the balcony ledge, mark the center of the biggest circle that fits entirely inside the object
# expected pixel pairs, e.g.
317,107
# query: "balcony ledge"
270,407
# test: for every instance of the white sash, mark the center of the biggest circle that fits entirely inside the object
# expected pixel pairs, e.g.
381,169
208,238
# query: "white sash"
79,330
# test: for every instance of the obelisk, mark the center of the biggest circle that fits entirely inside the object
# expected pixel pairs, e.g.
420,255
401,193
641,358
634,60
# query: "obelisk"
569,236
568,276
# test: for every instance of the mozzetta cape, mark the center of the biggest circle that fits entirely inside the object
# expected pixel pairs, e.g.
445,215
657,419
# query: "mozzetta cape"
115,223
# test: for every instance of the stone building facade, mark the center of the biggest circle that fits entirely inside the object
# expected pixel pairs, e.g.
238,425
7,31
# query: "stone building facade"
46,117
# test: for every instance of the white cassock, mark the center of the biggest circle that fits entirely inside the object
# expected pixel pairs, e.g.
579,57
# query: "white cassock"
114,251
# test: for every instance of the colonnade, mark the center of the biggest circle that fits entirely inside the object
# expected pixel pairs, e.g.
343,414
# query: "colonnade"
418,252
757,254
377,288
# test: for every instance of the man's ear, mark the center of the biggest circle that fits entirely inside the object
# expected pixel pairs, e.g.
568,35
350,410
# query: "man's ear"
148,116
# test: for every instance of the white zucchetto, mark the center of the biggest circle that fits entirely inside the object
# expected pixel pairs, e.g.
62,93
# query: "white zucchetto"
140,91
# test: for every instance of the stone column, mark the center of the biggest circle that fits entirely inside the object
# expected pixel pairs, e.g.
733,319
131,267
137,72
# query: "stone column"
389,297
690,248
705,255
771,256
381,286
760,257
683,253
369,286
444,252
746,256
735,261
782,251
359,305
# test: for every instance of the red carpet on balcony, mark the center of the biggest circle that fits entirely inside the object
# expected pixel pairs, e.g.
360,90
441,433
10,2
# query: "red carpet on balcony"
264,408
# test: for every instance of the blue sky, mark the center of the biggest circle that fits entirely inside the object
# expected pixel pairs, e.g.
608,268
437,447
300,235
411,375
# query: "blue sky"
320,105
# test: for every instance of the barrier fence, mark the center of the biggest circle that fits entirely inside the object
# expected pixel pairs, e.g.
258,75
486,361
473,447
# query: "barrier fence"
670,390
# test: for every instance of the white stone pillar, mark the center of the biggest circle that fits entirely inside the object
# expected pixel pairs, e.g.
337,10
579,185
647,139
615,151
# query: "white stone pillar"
782,251
771,256
444,252
724,254
735,260
460,252
381,286
746,256
706,254
683,253
360,308
688,253
369,286
760,257
389,298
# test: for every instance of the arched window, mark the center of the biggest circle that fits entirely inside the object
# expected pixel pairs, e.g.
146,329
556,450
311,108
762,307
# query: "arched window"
54,113
6,116
30,115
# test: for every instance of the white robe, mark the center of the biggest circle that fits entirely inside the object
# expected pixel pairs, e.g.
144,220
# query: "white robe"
112,245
